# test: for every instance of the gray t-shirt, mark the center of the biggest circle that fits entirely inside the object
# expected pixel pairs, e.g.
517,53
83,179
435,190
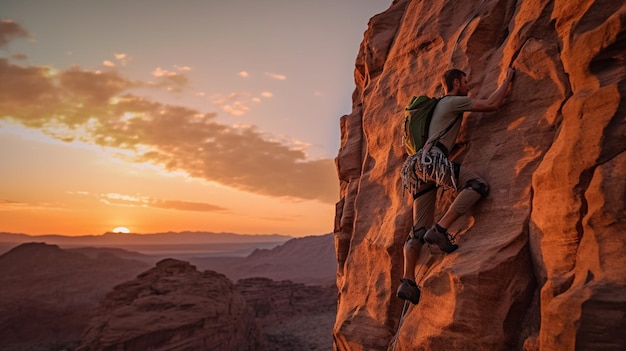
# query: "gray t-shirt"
445,113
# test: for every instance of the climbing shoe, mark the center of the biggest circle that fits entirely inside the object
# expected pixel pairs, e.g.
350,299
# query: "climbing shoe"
434,236
408,290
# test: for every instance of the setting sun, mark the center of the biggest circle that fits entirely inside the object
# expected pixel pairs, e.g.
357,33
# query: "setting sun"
121,230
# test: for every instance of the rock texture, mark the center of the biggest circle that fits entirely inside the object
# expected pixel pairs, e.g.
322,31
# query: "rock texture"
174,307
542,262
47,294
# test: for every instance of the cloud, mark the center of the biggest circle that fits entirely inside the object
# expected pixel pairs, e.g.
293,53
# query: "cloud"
122,58
236,109
9,31
244,74
182,68
19,57
6,205
173,81
267,94
146,201
275,76
107,63
235,104
96,107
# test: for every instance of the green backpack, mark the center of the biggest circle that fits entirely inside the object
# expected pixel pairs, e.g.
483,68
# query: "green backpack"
417,116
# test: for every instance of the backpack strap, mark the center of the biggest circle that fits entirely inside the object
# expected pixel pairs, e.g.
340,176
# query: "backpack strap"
435,141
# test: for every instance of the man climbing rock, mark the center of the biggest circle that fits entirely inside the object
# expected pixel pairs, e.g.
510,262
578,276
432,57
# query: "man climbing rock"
430,167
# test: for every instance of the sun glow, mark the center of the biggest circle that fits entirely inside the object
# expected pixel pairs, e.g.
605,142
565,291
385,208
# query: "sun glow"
121,230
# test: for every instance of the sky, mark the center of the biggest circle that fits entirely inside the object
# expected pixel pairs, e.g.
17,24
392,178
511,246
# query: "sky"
157,116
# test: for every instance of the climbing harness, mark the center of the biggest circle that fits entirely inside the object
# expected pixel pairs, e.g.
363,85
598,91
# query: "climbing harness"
432,163
434,166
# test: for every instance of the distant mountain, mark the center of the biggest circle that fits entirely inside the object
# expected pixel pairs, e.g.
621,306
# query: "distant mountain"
47,293
310,260
182,244
155,238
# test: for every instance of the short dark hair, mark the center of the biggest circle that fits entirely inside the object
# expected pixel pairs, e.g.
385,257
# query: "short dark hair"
450,76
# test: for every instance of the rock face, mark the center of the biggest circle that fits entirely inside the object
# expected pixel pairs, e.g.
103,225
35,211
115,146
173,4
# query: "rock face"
542,262
174,307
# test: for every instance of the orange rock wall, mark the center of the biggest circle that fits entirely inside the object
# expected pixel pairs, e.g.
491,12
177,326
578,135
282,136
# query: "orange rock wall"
541,263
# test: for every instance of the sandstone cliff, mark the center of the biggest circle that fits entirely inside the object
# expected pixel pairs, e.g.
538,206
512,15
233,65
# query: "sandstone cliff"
541,263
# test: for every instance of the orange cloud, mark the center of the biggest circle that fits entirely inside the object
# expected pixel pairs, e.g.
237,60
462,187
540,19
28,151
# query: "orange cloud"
9,31
173,81
99,105
146,201
6,205
276,76
19,56
182,68
122,58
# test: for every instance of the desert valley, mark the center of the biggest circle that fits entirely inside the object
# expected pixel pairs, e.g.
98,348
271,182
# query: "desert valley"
173,290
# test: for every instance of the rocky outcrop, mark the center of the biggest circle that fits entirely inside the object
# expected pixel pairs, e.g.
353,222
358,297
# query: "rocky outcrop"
174,307
292,317
541,263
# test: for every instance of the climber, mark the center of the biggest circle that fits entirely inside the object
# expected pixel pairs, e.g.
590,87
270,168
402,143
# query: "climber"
430,168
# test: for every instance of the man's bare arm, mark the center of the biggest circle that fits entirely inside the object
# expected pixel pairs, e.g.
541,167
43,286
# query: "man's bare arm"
494,101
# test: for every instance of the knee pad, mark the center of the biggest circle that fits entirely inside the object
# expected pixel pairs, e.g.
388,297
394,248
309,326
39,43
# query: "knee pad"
415,239
413,244
478,186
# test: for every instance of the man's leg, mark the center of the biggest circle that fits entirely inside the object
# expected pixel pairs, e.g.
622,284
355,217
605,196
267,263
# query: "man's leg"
473,189
423,217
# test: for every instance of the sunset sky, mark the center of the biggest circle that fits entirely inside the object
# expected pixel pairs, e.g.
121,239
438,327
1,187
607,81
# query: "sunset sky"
158,116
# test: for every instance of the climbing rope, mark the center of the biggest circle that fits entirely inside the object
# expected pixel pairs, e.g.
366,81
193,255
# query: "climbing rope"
395,338
405,308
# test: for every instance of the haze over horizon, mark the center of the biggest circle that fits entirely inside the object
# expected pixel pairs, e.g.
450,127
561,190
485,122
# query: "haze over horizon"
156,117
